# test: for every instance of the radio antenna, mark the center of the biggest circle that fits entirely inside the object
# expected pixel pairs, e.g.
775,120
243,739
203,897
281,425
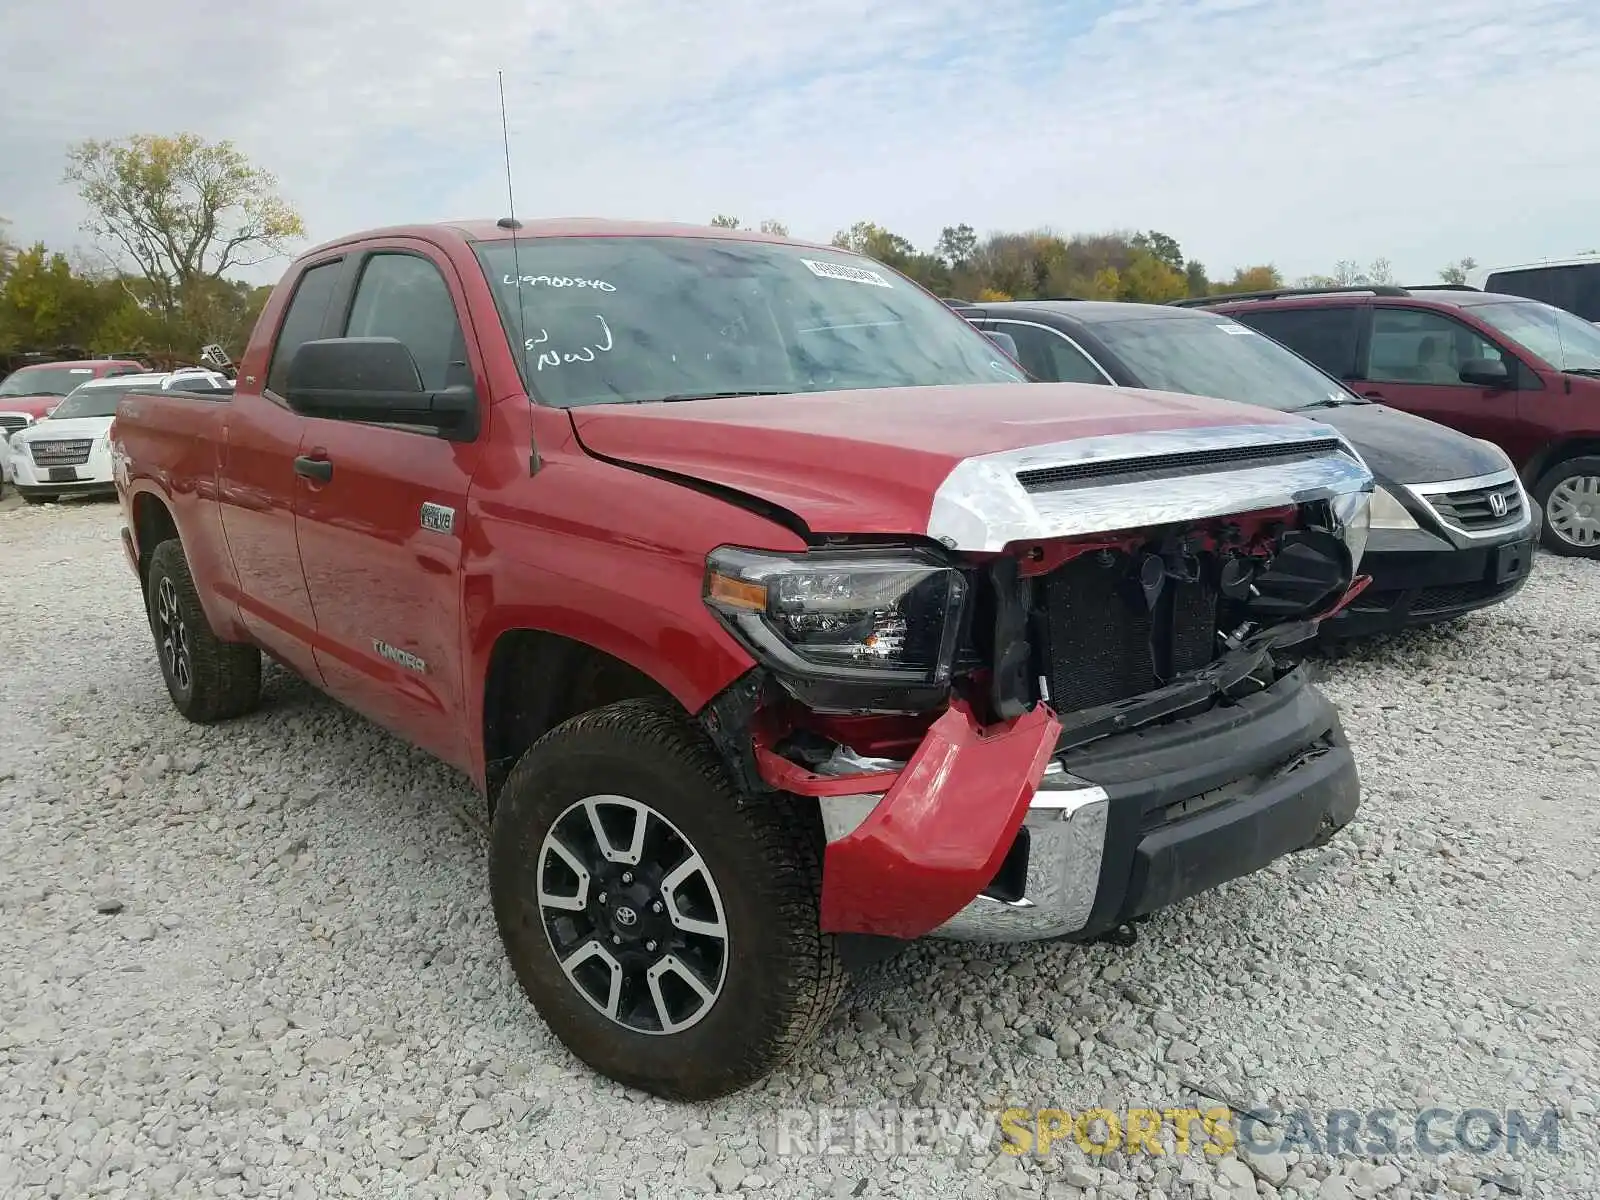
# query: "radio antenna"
510,222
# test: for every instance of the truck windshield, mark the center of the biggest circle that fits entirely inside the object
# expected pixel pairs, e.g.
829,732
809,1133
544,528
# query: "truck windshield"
89,402
44,381
1566,342
1222,358
635,319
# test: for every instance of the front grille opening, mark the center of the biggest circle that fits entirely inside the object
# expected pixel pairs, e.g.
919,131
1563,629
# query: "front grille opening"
1010,882
1171,466
1103,642
1475,508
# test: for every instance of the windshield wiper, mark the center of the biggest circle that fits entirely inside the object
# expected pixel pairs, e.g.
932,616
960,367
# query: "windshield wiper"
1592,372
1330,402
677,396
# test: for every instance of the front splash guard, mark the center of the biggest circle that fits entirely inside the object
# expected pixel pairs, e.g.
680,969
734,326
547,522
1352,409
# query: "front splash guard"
942,829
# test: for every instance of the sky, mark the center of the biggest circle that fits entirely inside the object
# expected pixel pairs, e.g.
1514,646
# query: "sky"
1296,132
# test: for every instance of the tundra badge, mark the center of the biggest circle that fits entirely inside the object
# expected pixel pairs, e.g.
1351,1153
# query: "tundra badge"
438,518
404,658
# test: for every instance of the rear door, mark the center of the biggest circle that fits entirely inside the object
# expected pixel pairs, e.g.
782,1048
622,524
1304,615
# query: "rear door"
380,510
257,484
1414,359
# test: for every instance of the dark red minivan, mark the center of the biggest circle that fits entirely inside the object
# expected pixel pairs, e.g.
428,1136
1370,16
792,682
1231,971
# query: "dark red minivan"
1516,372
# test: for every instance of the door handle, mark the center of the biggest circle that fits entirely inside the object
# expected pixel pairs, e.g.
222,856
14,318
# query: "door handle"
320,469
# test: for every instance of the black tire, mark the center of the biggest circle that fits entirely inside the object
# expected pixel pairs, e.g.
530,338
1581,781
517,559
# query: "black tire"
221,680
35,498
782,976
1587,466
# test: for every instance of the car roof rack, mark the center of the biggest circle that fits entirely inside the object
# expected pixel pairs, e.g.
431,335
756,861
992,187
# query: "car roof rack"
1355,289
1441,287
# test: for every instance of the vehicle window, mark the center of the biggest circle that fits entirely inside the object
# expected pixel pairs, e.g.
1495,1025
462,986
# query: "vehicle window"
1415,346
1326,336
44,381
1566,342
308,310
404,296
1214,356
1047,355
1574,288
635,319
89,402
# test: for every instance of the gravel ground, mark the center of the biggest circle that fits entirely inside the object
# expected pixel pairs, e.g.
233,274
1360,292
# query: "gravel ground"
258,960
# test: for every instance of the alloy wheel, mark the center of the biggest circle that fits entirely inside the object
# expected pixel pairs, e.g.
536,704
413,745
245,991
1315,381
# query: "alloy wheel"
173,635
633,914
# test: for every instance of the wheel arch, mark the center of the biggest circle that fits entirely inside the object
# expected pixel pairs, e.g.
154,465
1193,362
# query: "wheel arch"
1558,452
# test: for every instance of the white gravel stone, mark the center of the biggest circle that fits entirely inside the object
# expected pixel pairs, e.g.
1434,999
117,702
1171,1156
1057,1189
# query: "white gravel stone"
323,1008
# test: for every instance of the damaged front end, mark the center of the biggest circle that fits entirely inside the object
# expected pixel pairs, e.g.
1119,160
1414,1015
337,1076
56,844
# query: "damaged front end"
1070,703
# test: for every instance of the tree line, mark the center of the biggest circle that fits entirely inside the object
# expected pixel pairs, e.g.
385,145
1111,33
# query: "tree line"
172,218
1147,266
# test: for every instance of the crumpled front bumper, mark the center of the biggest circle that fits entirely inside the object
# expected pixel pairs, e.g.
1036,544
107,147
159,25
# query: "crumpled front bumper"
1112,831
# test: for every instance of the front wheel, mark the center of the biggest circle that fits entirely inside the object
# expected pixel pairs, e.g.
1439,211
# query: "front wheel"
1569,494
207,678
664,925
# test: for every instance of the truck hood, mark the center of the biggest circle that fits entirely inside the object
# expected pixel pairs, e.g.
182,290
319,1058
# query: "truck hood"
945,461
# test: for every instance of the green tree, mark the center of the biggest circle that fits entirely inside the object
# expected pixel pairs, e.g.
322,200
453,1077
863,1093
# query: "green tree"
1457,271
1195,275
180,210
956,246
1164,248
774,227
44,303
723,221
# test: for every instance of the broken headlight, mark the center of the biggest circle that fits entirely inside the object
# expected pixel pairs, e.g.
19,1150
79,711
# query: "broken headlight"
876,617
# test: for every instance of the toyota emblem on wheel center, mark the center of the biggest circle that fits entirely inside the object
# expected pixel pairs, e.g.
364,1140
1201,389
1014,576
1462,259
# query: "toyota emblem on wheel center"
626,915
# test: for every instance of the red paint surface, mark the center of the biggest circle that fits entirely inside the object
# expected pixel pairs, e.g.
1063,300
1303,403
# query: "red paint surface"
941,832
36,406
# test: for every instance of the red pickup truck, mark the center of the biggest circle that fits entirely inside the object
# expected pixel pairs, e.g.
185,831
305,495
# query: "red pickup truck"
764,602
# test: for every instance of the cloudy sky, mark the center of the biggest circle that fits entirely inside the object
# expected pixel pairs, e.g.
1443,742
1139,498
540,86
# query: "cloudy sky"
1299,132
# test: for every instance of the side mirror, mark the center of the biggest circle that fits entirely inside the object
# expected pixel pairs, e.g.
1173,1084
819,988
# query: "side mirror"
373,379
1486,372
1004,340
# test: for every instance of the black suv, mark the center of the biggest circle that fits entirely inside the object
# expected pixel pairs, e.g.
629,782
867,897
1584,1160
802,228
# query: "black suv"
1430,557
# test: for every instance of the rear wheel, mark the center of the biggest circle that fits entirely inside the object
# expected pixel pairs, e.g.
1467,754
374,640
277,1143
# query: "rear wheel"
1569,495
207,678
664,925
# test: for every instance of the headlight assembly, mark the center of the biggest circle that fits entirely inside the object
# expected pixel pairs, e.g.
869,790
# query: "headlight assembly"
1388,513
873,617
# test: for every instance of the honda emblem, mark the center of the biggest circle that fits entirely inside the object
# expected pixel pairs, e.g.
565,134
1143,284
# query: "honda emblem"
1497,503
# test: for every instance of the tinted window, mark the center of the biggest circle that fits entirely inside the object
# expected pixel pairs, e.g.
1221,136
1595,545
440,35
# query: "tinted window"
1414,346
89,402
308,310
606,319
1327,336
1574,288
1048,355
405,297
1218,357
1561,339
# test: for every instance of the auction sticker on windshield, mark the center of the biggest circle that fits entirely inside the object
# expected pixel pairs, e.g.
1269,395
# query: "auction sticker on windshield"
1237,330
827,270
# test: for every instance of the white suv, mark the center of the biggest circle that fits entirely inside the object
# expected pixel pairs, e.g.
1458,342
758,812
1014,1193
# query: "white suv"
68,453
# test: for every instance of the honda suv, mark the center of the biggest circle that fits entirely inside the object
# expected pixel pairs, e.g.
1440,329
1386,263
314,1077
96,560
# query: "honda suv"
1517,372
